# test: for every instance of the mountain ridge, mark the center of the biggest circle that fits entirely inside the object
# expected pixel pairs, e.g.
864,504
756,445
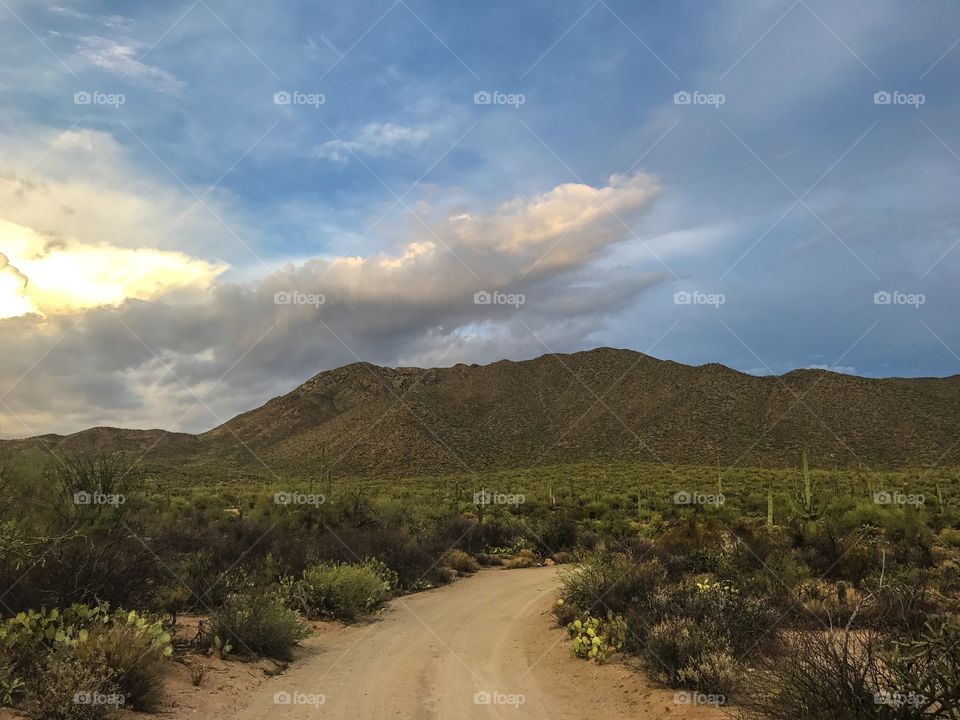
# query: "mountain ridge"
599,404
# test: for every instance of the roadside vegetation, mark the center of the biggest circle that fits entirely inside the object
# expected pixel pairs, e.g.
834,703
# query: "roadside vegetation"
842,605
702,576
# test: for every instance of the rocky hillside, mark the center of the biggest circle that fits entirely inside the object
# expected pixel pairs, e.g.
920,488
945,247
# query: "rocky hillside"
598,404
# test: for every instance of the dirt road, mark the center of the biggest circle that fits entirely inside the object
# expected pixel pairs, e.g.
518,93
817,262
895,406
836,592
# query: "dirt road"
479,648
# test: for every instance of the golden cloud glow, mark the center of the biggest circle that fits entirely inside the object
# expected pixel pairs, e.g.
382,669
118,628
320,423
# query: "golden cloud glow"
46,276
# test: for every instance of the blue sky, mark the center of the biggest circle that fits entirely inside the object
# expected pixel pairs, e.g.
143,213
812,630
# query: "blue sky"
781,199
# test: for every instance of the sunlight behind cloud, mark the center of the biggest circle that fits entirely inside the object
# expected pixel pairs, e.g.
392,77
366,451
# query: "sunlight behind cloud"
51,277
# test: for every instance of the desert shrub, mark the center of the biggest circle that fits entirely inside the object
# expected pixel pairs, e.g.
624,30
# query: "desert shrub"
903,605
564,613
557,533
678,644
134,650
683,544
714,673
523,559
747,623
11,684
818,676
379,568
68,687
411,557
339,590
461,562
258,623
171,599
198,573
950,537
611,582
494,531
927,670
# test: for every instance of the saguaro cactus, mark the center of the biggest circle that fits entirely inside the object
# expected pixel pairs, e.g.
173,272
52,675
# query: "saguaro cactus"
803,498
769,508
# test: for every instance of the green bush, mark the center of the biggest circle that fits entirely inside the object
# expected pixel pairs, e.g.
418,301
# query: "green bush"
134,650
130,647
678,644
258,623
611,582
747,623
461,562
339,590
382,571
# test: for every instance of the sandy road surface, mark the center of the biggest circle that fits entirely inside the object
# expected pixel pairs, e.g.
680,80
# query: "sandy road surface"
431,653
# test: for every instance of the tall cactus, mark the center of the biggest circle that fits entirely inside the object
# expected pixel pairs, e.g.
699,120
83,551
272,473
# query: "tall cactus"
803,499
940,501
770,508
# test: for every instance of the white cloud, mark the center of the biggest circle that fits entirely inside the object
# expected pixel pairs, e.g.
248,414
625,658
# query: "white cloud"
82,184
410,304
376,139
120,58
844,369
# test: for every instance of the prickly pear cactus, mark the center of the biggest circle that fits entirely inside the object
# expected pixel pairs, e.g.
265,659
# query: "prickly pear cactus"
594,639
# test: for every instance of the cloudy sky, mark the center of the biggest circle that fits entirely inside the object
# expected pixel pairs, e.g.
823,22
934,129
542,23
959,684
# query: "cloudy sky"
202,204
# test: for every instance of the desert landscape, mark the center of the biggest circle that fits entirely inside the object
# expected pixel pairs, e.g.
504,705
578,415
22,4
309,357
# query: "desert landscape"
423,360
